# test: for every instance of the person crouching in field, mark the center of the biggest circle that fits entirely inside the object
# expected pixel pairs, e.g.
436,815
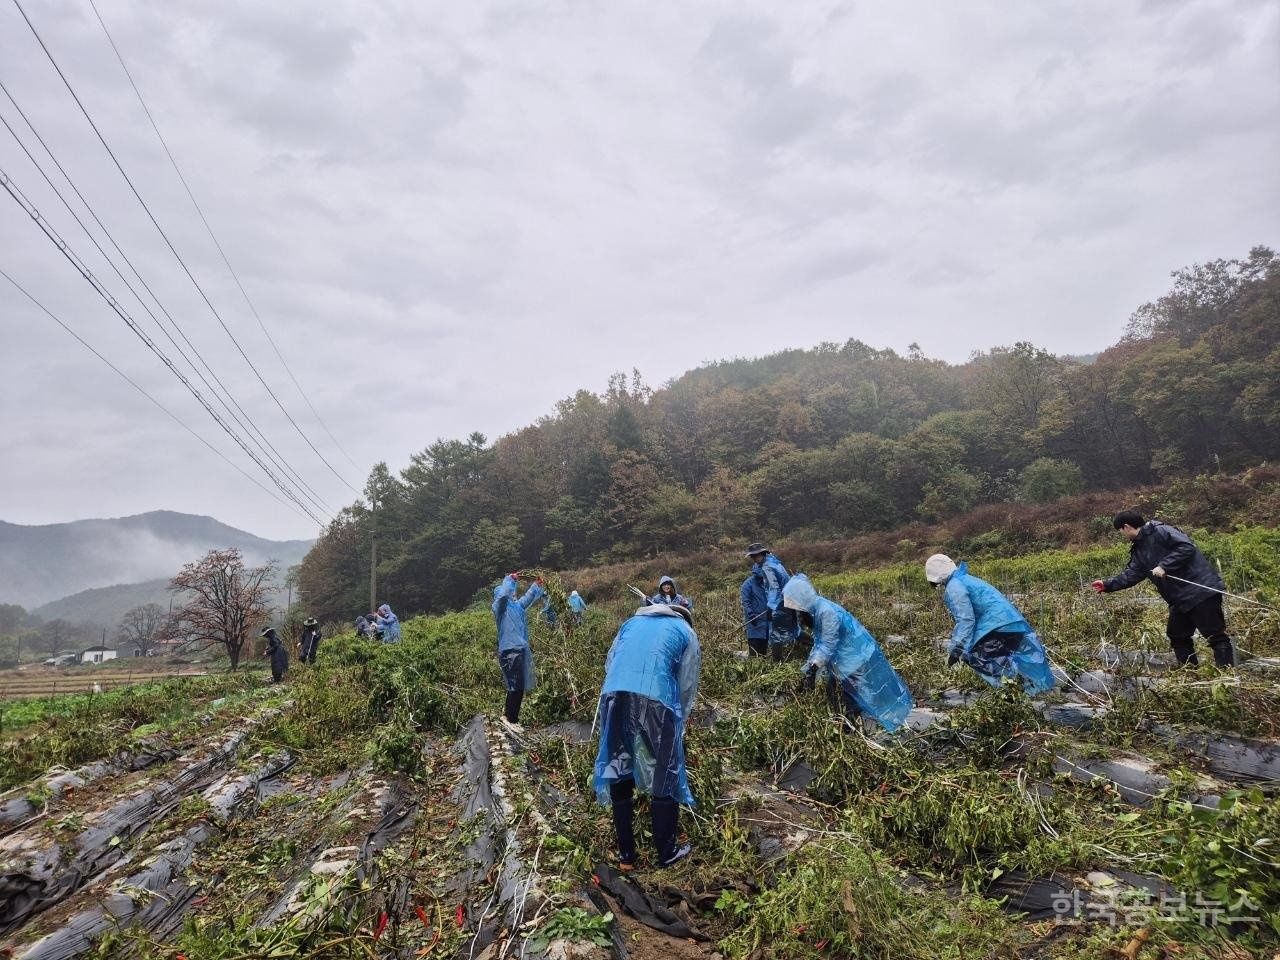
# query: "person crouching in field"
650,682
277,652
846,651
990,634
514,656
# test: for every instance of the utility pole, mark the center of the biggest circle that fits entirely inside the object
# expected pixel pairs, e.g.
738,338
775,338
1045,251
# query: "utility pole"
373,553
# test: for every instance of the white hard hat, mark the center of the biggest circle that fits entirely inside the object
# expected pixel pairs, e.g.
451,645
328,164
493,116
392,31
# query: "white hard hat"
938,567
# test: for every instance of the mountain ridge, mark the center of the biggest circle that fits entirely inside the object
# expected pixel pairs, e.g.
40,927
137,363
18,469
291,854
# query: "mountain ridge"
45,563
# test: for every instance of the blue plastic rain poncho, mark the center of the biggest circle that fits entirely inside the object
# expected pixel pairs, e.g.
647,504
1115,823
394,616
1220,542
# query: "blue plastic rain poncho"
846,650
514,655
755,607
576,603
548,612
992,636
782,622
651,679
676,595
388,624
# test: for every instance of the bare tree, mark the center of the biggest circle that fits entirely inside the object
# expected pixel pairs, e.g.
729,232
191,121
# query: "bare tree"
226,604
140,628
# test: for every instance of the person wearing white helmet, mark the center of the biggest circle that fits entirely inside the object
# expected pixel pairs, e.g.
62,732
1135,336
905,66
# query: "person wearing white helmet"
990,634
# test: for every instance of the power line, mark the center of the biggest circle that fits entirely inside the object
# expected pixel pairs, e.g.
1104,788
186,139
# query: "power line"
242,418
172,249
74,259
235,276
142,390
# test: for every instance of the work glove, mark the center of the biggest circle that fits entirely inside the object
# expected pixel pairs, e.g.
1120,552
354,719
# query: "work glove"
808,675
953,658
514,574
540,582
1099,586
1157,571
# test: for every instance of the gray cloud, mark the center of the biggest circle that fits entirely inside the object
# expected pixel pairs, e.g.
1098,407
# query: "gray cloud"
453,216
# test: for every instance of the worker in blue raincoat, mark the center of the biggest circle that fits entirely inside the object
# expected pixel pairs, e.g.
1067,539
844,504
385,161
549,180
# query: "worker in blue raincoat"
514,656
668,592
990,633
783,626
755,612
548,612
651,679
577,606
845,650
387,624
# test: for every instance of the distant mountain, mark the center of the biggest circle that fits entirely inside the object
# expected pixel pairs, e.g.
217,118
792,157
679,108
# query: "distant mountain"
105,606
42,563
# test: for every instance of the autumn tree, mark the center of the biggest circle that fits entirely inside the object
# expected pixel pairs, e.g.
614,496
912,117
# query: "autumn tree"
225,601
140,628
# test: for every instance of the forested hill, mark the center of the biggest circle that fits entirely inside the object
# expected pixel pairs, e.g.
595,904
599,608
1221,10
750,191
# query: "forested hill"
828,442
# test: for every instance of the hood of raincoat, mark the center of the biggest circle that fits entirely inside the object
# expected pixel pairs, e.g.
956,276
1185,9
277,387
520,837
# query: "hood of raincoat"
670,580
507,588
800,594
385,611
573,593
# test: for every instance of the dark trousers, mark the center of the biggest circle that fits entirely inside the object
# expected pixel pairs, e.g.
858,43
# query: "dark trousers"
757,646
512,709
664,815
1208,618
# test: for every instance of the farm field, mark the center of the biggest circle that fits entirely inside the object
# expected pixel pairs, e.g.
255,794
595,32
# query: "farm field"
54,681
371,807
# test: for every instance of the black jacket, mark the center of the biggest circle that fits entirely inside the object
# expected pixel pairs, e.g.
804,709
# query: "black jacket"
1162,545
279,655
310,641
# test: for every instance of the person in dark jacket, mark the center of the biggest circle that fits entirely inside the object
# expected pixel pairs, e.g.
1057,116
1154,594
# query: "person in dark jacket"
310,642
668,593
278,654
755,614
1183,576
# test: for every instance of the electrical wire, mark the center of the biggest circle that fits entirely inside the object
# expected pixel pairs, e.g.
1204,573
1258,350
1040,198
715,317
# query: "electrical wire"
172,249
242,418
142,390
222,253
74,259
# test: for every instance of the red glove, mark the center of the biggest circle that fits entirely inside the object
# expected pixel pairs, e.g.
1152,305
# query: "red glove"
514,574
540,582
1099,586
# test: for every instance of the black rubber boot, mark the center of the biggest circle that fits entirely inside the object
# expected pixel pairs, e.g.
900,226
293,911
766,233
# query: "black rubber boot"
1224,651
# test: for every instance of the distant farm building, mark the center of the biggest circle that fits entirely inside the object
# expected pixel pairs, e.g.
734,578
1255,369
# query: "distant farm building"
97,655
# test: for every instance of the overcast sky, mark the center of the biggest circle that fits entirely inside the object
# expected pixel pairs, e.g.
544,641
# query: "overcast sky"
452,215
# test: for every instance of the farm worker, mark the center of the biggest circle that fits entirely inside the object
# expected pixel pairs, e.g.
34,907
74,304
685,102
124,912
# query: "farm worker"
577,606
1183,576
362,626
548,611
990,634
310,641
278,654
387,625
755,611
848,653
669,593
514,656
650,681
782,622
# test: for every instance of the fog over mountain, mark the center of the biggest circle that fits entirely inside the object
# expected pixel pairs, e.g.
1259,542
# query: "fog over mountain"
43,563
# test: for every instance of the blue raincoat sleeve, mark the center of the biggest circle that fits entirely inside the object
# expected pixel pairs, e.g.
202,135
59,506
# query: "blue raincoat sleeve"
531,596
826,634
775,578
956,597
687,677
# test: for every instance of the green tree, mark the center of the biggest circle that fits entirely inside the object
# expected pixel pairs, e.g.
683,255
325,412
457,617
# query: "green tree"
1046,479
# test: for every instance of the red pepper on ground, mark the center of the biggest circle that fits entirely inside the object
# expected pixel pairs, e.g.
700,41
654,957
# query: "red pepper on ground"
422,915
460,916
382,925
